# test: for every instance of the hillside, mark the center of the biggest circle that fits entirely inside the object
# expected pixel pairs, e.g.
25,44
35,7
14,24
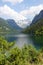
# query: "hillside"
13,24
37,17
36,26
4,26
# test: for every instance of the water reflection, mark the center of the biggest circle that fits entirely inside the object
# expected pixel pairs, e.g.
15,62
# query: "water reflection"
21,39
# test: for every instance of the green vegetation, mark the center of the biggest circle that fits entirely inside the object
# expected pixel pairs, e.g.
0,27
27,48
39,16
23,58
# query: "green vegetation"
28,55
5,28
36,28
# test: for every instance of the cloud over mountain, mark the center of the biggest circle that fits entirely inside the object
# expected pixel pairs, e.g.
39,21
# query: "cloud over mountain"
7,12
32,11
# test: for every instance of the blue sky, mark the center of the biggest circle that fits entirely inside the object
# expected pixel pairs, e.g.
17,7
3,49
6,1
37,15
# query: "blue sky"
21,8
23,5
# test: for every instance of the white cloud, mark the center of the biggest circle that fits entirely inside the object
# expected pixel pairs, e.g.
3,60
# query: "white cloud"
13,1
32,11
8,13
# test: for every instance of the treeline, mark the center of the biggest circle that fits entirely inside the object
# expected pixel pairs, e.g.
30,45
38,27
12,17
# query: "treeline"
28,55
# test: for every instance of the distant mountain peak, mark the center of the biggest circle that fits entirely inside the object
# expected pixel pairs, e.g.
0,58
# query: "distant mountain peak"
13,24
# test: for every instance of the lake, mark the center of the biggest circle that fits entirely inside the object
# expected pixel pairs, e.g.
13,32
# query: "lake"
21,39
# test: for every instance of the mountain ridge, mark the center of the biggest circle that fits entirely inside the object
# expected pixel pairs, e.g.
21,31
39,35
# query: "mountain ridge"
13,24
36,27
37,17
4,26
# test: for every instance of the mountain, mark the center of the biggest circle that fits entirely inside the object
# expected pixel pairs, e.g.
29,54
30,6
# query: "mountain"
4,26
37,17
9,26
13,24
36,26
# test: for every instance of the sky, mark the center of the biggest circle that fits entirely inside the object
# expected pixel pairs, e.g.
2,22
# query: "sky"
20,9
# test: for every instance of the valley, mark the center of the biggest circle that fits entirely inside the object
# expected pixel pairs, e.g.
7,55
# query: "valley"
21,46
